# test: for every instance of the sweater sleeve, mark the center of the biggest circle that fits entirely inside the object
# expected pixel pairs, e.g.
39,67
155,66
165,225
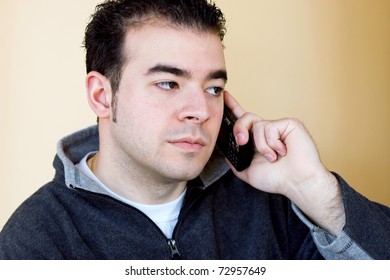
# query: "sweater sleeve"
366,234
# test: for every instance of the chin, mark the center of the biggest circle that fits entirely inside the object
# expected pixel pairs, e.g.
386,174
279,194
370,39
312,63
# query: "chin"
187,175
183,168
190,172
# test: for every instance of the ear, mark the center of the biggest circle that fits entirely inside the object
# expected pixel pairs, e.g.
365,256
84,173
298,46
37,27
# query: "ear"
99,94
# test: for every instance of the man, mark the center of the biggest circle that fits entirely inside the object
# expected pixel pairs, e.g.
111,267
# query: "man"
149,182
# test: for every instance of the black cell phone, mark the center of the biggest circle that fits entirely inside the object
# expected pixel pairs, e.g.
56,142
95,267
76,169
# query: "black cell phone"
239,156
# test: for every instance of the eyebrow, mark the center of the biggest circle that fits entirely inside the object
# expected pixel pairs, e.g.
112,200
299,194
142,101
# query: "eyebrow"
162,68
216,75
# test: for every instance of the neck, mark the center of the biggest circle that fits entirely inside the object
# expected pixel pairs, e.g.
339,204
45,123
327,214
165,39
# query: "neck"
134,184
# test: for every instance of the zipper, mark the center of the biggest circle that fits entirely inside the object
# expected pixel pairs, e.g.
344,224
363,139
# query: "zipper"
174,250
175,254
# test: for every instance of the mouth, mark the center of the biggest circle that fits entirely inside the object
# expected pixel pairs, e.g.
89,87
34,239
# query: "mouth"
189,144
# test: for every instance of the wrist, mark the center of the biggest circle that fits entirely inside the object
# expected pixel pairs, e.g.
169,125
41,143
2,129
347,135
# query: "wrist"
320,199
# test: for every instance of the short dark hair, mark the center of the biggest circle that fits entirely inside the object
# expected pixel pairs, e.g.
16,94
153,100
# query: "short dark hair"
105,33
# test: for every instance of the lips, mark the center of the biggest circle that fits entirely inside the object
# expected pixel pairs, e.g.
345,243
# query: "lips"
189,144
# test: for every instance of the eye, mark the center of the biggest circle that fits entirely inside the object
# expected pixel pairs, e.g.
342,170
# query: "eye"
167,85
215,90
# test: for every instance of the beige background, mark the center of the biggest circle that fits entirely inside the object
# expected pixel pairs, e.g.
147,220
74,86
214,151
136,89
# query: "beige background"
326,62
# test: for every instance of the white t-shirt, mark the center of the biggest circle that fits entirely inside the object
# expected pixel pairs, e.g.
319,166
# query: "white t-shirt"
165,216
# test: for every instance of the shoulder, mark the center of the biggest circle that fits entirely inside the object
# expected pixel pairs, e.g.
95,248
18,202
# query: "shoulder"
36,221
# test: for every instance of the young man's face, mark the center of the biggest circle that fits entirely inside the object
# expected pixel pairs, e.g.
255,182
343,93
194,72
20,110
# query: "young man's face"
170,102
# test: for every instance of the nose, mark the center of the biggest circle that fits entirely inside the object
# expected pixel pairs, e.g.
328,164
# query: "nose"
196,107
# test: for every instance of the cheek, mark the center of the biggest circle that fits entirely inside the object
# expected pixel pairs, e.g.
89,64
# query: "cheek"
135,107
150,122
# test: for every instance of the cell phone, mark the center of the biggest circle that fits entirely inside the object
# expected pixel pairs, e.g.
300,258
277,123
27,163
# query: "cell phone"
239,156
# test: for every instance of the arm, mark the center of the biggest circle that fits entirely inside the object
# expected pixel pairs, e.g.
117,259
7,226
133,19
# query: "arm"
366,234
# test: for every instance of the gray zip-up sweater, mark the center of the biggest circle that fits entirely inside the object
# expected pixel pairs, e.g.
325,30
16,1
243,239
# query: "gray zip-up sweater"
222,217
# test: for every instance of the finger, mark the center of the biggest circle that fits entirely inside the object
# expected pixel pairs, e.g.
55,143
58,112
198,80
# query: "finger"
244,120
261,143
233,104
274,136
240,129
244,127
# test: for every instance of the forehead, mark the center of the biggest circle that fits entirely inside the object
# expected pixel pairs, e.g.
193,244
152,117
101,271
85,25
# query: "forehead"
162,43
